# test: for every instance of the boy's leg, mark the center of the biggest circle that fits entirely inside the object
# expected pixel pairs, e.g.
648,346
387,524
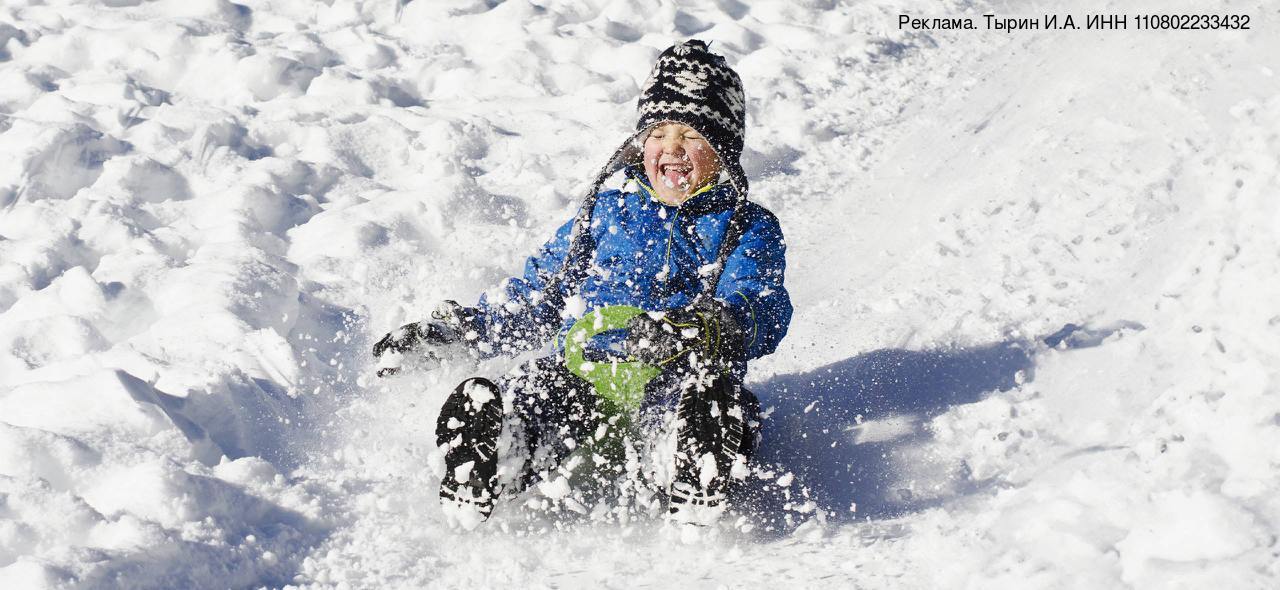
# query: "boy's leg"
554,412
716,427
549,408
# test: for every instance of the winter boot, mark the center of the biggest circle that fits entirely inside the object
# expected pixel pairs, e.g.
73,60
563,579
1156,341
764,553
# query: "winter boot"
468,429
710,428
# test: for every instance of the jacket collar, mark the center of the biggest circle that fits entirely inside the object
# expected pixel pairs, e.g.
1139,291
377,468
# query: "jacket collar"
718,198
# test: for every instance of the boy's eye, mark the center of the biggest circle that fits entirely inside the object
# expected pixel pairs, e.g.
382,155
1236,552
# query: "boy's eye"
690,136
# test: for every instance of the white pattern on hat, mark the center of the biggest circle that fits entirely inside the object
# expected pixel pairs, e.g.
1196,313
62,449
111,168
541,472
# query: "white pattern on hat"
649,82
734,99
671,62
684,107
689,83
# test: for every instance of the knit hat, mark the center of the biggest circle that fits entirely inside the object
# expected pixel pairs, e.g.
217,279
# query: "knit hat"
691,85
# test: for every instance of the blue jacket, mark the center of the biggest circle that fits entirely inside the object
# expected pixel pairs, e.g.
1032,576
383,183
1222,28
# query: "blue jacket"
647,255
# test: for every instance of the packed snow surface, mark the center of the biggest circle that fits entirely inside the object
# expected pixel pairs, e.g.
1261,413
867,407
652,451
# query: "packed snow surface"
210,210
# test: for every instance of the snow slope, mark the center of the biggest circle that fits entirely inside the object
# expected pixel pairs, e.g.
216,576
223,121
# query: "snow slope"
208,210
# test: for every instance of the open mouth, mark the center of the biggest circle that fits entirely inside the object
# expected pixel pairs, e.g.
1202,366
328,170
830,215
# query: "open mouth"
676,174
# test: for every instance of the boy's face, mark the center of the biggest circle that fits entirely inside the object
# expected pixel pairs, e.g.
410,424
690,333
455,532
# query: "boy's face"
678,161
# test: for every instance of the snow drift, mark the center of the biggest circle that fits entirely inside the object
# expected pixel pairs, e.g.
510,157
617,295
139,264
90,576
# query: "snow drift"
208,209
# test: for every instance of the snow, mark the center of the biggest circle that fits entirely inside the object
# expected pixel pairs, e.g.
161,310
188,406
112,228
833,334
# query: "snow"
555,488
463,471
480,394
210,210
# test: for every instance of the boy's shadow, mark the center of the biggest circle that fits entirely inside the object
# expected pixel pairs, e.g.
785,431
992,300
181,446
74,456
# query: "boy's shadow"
838,428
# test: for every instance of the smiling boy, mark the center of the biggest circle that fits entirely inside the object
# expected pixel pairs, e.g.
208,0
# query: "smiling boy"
684,245
679,162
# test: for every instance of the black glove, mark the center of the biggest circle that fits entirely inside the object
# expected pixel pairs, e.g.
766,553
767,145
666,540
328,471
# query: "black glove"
409,336
703,333
448,327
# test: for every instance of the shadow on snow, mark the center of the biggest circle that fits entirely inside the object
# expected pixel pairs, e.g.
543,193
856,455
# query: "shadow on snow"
839,428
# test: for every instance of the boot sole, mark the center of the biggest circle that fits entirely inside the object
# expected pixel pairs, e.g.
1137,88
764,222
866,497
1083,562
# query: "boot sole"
469,425
701,433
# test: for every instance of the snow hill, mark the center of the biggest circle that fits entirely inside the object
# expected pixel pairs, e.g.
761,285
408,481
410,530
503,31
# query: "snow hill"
209,209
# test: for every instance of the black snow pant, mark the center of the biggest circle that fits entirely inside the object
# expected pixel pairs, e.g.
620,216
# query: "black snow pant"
558,410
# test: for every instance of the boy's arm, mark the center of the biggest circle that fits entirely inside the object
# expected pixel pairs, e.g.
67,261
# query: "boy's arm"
517,315
751,286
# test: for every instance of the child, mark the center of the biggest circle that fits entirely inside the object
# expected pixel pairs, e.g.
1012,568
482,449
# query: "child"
685,245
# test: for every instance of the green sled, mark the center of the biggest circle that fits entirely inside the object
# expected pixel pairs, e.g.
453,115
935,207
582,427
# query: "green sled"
619,383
